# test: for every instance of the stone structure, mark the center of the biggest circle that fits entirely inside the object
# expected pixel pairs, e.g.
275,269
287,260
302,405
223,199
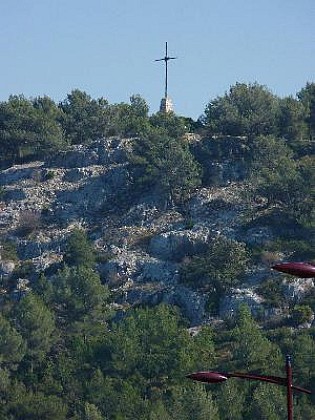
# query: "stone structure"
166,105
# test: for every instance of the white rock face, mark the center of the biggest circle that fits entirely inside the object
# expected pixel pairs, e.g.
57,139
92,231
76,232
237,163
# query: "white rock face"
176,245
7,268
296,289
145,245
229,304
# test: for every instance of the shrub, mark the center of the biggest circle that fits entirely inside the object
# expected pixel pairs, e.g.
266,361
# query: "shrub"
218,270
8,251
79,250
2,193
301,314
49,175
29,222
271,290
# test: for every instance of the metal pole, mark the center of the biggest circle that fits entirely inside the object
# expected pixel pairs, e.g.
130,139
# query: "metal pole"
166,79
289,387
166,59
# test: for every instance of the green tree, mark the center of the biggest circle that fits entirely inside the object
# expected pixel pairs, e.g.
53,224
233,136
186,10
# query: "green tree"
36,406
164,165
291,124
231,399
129,403
252,351
307,97
43,288
36,323
12,345
91,412
282,180
303,204
304,410
194,403
29,128
79,295
158,411
203,350
139,106
104,392
301,314
303,357
169,124
84,119
5,391
152,343
47,126
268,402
130,119
246,110
274,172
218,270
79,250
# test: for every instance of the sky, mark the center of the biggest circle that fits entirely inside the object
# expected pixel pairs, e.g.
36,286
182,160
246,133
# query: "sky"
107,48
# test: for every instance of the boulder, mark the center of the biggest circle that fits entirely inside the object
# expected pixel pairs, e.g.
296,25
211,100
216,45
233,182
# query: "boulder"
79,156
229,304
175,245
18,173
296,289
6,268
258,235
191,303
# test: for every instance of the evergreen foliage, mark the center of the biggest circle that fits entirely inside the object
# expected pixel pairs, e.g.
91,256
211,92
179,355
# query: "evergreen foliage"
10,340
36,324
252,351
218,270
246,110
163,164
84,119
29,128
79,250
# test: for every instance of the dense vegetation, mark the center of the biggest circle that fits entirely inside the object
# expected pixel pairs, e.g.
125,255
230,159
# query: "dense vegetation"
64,353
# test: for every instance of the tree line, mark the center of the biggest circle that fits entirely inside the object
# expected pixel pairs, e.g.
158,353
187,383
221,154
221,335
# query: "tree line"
36,126
273,140
31,128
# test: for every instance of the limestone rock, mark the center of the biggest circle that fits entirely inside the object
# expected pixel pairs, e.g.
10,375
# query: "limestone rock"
7,268
229,304
296,289
175,245
142,244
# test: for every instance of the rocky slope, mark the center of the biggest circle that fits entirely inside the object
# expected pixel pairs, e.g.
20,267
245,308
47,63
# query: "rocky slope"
141,246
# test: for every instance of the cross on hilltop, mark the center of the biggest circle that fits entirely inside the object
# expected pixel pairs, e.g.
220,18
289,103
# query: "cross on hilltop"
166,103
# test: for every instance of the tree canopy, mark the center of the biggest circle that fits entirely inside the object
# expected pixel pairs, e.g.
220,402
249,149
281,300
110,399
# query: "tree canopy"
246,110
29,127
164,164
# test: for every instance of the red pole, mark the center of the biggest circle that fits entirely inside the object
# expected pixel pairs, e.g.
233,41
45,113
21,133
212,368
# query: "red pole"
289,387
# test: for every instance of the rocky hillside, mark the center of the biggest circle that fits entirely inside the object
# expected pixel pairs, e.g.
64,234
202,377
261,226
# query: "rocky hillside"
141,246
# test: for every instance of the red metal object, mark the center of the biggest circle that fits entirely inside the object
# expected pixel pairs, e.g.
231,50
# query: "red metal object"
298,269
209,377
289,388
215,377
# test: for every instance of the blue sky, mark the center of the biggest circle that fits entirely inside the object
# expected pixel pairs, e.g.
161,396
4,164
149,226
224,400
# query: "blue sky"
108,47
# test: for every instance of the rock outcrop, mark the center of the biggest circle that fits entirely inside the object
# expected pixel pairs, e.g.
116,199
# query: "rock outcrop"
144,245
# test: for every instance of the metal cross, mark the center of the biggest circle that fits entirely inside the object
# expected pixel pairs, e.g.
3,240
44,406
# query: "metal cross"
166,59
